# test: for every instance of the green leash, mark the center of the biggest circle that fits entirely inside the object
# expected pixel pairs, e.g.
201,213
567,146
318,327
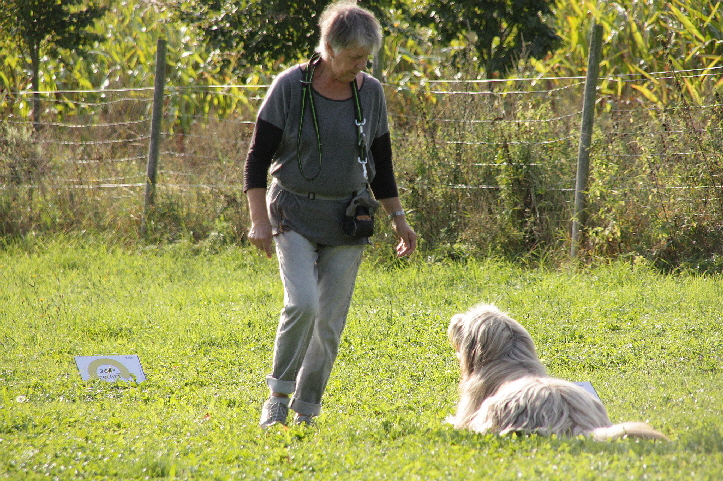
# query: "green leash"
359,120
306,89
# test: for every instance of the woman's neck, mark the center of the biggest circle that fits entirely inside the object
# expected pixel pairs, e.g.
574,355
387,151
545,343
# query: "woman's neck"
328,85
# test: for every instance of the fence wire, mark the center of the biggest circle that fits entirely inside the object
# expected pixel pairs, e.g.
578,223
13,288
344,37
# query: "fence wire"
114,133
500,144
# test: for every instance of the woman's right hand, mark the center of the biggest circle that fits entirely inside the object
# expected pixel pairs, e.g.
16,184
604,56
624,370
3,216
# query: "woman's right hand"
260,235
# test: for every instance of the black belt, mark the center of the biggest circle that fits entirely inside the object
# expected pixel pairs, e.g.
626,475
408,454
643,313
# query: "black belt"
317,196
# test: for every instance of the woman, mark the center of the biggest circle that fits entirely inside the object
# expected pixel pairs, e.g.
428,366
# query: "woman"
319,162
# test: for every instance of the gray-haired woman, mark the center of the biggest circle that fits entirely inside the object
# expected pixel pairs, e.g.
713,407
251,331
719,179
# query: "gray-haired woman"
322,133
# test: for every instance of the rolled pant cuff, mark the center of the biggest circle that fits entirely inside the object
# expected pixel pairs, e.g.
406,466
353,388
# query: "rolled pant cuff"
279,386
303,407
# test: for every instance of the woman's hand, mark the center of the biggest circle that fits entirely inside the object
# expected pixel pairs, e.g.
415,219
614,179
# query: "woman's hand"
407,236
260,234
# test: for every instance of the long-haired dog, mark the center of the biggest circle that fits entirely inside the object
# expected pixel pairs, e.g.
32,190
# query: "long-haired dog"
505,388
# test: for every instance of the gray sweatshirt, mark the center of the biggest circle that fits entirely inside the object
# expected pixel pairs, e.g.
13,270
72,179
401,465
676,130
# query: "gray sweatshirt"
298,179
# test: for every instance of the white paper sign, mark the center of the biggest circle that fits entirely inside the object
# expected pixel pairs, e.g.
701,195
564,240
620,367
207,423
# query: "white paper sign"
110,368
587,386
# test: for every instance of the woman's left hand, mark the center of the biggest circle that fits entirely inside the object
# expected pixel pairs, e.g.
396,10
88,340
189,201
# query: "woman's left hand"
407,237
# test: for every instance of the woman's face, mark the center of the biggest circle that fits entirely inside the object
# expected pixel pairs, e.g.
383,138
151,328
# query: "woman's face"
348,62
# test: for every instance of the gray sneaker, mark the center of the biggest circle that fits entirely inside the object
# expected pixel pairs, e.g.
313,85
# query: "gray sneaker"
304,419
275,411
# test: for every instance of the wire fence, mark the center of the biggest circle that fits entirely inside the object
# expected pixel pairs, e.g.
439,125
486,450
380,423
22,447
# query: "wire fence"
472,156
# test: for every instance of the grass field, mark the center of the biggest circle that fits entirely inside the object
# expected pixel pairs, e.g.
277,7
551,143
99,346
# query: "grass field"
203,321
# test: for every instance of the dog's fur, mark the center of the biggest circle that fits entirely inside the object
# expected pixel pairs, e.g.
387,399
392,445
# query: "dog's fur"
505,388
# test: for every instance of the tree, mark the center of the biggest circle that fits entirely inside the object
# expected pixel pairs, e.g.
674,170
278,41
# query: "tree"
263,32
254,31
42,24
501,31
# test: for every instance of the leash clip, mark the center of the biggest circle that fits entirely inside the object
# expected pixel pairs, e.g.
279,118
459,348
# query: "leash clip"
361,135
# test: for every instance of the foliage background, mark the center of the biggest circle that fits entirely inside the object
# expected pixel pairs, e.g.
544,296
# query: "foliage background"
485,168
483,171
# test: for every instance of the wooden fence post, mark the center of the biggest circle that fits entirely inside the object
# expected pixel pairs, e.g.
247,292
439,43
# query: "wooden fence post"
156,124
583,155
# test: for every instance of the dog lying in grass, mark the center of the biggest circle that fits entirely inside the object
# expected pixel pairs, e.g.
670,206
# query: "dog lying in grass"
505,388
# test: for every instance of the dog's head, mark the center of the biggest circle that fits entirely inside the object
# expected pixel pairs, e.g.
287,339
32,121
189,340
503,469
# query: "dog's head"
484,335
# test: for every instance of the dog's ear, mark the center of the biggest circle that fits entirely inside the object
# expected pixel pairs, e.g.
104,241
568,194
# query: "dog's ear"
454,332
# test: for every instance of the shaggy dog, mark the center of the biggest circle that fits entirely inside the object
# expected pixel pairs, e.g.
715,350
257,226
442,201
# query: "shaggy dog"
505,388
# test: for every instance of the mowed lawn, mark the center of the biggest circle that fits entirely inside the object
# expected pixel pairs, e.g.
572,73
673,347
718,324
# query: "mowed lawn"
202,321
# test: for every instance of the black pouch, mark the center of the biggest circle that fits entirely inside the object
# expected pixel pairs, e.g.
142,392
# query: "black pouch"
359,216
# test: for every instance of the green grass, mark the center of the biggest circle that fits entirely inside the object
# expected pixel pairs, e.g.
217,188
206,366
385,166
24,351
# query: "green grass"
203,321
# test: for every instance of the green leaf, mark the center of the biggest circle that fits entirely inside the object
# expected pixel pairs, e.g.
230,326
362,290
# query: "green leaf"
682,18
646,93
640,43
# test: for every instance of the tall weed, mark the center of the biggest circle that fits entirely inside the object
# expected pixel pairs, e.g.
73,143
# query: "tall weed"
484,168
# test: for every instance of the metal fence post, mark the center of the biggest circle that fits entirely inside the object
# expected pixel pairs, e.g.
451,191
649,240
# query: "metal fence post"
156,121
583,155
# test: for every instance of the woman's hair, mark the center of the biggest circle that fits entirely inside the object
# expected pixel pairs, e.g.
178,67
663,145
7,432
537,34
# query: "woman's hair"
344,24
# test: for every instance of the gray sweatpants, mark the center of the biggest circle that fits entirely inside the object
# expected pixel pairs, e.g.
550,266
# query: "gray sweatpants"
318,285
